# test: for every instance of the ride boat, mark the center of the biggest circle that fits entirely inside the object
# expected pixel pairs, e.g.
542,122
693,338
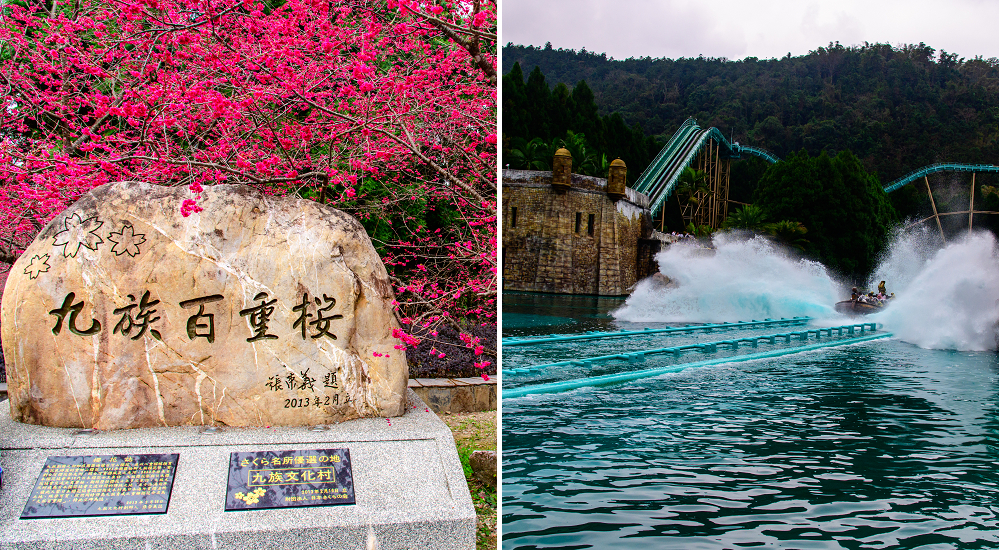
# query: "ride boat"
855,307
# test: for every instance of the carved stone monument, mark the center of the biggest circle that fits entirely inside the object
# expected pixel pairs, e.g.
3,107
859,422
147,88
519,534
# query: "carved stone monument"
269,316
255,311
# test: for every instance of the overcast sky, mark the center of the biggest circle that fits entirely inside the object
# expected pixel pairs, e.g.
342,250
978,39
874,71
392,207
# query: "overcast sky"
736,29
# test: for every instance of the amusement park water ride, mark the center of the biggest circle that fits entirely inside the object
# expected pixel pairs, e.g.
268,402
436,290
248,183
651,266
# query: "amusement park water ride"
856,307
865,304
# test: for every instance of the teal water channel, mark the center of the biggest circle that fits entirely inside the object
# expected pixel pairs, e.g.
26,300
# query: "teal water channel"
877,444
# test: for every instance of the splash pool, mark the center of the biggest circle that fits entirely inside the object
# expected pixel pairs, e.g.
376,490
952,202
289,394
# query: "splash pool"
889,443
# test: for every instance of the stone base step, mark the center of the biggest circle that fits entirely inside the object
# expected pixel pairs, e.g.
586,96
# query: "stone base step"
456,395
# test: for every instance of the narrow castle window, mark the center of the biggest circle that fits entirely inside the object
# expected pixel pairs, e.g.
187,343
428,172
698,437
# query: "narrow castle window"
579,221
590,225
513,216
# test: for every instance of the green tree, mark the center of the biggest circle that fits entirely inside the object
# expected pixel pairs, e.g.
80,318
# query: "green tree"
529,155
692,186
749,217
848,214
588,121
788,233
700,231
585,159
515,99
896,108
539,98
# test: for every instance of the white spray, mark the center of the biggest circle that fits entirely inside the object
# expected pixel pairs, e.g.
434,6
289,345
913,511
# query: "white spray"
740,280
947,298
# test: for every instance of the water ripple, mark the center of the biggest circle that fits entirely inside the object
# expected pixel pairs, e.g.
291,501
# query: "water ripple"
872,446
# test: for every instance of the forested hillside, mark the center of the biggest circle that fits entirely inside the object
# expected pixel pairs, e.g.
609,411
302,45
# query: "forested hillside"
538,120
895,108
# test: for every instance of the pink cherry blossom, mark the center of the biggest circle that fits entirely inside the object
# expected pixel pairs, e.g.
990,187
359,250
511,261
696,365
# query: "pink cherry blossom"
320,99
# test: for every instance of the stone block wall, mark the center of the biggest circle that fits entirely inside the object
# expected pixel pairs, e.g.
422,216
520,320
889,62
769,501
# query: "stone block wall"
456,395
572,242
646,257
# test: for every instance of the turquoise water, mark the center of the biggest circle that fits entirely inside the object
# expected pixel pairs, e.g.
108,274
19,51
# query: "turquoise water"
883,444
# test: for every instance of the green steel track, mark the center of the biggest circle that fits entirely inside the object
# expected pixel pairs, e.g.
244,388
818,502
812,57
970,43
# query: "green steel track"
660,178
939,167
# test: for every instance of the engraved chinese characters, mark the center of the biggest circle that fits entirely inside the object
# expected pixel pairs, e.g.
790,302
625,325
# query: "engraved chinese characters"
256,311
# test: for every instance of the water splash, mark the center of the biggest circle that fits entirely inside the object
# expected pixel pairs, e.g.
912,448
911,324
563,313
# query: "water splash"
740,280
947,298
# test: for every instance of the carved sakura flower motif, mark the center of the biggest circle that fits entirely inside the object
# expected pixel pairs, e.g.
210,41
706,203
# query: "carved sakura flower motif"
251,497
78,232
126,240
39,264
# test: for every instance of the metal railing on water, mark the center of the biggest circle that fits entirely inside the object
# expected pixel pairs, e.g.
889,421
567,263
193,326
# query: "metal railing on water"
564,385
707,327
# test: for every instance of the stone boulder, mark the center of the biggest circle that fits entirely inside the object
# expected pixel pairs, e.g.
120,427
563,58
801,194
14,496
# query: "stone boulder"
484,466
256,311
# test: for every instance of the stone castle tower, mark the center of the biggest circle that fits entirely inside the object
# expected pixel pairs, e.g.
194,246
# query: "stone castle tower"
574,234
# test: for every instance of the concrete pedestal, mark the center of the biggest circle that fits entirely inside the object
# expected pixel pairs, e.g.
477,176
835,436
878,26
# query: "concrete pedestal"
408,484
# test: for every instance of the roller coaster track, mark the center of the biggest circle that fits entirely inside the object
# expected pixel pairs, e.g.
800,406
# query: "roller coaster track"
938,167
660,177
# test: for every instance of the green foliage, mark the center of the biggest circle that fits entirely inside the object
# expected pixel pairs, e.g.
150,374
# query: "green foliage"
562,117
743,177
848,214
690,183
788,233
749,217
699,231
584,159
537,154
465,449
896,108
414,212
529,155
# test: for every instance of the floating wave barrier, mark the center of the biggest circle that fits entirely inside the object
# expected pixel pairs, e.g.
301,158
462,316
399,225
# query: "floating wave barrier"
708,327
565,385
708,347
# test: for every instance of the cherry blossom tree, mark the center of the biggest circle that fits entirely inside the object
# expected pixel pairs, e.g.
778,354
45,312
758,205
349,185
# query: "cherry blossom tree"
371,106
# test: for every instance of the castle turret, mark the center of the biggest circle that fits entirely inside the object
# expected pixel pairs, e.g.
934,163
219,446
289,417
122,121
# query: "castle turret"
562,170
616,180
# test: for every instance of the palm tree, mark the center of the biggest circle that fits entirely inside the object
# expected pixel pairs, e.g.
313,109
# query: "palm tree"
788,232
749,217
693,186
699,231
584,160
531,155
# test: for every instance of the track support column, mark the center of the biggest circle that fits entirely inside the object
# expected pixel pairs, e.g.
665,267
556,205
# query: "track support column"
972,197
934,207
